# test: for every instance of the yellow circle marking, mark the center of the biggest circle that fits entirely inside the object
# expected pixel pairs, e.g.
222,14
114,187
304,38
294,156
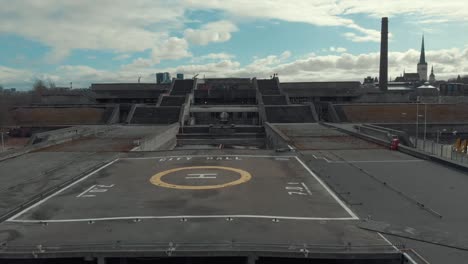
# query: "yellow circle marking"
157,178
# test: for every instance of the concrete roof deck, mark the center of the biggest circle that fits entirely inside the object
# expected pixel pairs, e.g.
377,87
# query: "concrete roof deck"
128,214
278,220
409,196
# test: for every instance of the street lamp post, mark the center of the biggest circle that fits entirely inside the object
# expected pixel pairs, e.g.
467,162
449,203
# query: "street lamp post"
417,125
439,133
425,122
3,143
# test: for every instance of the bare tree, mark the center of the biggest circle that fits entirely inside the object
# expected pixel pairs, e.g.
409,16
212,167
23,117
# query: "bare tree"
51,84
39,86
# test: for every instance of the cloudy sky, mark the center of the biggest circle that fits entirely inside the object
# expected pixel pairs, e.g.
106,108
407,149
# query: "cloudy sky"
302,40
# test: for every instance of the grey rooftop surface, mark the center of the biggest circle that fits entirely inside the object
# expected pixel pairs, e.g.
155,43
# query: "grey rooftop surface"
190,199
397,194
331,196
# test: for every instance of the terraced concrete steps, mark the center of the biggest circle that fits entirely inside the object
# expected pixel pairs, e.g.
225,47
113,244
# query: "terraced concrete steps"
290,114
156,115
182,87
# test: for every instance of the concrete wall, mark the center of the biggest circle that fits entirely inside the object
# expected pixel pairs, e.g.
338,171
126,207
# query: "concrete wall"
39,116
115,116
161,141
384,98
374,132
444,99
275,139
67,134
50,138
290,114
402,113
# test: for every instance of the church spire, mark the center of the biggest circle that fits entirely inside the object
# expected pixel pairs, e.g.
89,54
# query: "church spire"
422,58
432,76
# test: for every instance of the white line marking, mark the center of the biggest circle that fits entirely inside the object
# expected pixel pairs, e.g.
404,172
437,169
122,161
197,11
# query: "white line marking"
290,147
135,148
281,158
61,190
388,241
181,216
201,156
323,158
293,183
87,190
374,161
408,257
328,190
306,188
419,256
98,190
201,176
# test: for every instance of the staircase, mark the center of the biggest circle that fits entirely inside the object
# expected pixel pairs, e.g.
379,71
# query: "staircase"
276,106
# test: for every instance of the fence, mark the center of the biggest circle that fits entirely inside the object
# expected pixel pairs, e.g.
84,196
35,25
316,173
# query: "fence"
441,150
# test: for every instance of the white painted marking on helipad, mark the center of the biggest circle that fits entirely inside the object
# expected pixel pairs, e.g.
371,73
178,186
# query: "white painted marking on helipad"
323,158
306,188
87,190
201,176
183,216
354,216
203,156
61,190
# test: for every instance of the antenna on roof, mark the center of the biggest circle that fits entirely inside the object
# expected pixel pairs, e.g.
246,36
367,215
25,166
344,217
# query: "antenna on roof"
139,77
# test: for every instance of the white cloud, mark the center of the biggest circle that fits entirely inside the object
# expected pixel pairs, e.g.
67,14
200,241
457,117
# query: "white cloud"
213,56
172,48
139,63
447,63
451,10
337,49
11,75
134,26
219,31
86,24
122,57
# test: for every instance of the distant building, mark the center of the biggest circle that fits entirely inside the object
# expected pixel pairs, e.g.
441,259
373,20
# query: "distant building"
427,90
9,90
453,89
180,76
163,77
408,78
